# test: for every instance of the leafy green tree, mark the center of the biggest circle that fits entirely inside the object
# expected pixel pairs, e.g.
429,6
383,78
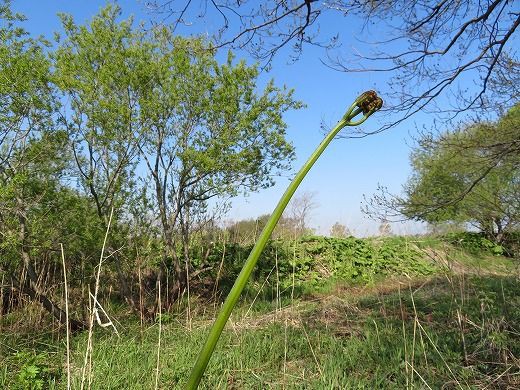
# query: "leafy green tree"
39,214
31,160
206,134
95,73
471,175
157,124
25,91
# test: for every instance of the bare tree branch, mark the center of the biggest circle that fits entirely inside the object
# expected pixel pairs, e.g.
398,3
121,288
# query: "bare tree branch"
431,51
262,29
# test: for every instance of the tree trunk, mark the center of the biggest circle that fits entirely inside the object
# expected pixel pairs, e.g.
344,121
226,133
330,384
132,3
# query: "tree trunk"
179,275
31,286
124,288
499,237
31,290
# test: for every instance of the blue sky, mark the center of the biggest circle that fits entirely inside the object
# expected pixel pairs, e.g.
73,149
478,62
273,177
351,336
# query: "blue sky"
348,169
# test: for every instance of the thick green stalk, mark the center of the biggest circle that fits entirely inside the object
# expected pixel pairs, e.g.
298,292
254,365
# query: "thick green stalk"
367,104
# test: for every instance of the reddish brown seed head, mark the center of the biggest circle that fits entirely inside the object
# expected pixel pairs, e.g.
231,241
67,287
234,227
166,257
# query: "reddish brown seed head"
369,101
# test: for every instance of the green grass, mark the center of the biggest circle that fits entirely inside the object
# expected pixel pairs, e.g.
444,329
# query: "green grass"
457,328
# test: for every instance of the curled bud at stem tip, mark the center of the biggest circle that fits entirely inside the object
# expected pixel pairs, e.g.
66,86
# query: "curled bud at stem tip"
369,102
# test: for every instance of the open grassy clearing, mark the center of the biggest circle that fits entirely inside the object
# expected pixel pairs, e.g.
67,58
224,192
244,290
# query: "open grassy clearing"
455,328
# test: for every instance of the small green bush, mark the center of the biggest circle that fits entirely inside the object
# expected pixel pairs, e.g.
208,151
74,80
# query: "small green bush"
475,243
34,372
314,260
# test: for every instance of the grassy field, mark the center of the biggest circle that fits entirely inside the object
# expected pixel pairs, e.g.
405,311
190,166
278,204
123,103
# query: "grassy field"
457,327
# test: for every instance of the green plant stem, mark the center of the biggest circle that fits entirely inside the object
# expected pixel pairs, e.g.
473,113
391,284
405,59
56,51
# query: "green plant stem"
243,277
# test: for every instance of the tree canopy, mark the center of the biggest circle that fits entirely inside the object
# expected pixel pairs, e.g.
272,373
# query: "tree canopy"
470,175
139,125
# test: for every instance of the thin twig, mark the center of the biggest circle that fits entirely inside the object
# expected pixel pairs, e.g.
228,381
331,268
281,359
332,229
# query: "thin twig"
159,338
66,315
312,349
89,349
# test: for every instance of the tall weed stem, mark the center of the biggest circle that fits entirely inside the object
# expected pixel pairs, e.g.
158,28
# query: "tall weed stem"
366,104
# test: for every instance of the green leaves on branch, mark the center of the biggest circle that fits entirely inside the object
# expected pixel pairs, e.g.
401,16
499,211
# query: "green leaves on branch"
164,102
467,176
140,121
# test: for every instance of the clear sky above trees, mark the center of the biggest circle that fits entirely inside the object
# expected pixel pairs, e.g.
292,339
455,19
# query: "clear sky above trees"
350,168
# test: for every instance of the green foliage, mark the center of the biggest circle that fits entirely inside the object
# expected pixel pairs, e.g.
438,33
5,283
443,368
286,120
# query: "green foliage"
53,213
475,243
78,118
25,90
312,262
357,260
33,372
470,175
94,70
511,244
339,340
196,128
472,352
26,134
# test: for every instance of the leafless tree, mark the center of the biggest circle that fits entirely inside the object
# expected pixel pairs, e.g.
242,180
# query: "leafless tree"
439,49
339,230
261,28
385,229
432,49
300,209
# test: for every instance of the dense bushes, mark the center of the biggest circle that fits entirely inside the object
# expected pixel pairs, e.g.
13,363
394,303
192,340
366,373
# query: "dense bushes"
314,261
479,243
